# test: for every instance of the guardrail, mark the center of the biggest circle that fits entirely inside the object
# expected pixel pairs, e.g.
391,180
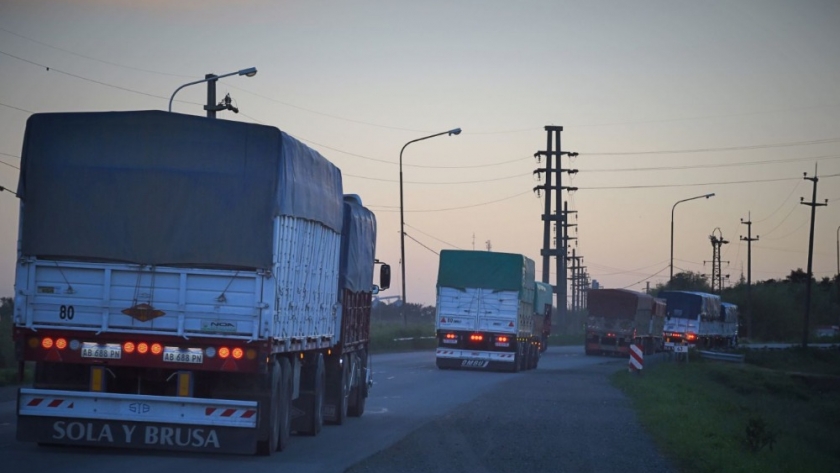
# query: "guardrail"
720,356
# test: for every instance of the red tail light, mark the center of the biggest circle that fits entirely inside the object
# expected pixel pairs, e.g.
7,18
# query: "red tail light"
224,352
450,336
47,343
502,339
61,344
237,353
476,337
142,348
157,349
128,347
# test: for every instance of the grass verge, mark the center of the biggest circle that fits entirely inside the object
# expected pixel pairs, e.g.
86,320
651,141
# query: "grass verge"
395,337
779,412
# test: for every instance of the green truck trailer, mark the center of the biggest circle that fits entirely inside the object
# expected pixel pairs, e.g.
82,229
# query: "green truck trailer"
486,311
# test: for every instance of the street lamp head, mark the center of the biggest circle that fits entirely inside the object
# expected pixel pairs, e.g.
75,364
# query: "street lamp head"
456,131
250,72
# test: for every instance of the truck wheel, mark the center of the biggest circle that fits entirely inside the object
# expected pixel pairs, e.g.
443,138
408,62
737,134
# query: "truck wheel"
311,400
285,404
268,446
358,394
338,390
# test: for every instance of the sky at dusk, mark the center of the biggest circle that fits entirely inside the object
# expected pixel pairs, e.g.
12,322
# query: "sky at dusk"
663,101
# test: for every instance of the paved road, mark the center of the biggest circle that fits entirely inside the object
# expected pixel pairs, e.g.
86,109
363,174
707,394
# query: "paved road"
409,393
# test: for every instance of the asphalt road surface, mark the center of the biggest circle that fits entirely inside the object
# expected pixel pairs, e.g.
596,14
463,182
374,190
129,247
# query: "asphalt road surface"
564,416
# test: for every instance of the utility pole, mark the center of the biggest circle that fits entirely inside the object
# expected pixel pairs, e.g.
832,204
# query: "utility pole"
717,242
813,204
552,218
749,239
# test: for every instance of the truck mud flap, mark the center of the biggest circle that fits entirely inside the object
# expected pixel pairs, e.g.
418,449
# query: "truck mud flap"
136,421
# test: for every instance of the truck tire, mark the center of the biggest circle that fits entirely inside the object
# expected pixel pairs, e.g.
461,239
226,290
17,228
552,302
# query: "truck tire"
313,382
359,392
285,404
338,390
267,446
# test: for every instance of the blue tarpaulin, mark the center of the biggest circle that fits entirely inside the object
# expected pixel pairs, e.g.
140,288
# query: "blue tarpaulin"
158,188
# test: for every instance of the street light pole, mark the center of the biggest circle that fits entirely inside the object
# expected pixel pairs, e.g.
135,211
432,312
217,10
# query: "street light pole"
672,228
211,79
838,251
454,131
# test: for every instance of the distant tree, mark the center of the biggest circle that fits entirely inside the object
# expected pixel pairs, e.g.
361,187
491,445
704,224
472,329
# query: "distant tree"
685,281
797,277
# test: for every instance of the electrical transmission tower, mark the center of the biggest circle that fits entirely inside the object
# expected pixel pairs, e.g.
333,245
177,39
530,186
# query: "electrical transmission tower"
717,276
554,218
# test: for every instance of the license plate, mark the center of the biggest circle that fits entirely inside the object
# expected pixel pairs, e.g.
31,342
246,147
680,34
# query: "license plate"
680,348
474,363
183,355
108,351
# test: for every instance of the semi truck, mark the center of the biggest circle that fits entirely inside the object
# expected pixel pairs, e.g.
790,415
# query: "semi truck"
696,319
187,284
619,318
485,311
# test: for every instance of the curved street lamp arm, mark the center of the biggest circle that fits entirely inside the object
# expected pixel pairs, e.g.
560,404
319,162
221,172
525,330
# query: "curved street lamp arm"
250,72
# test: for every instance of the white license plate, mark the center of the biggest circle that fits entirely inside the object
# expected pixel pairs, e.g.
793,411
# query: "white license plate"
183,355
474,363
108,351
680,348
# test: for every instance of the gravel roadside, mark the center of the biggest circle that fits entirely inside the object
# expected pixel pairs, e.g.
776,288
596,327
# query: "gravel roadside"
542,421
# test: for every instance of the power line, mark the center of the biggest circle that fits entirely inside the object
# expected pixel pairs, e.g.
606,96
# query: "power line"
95,59
434,238
712,150
453,208
659,186
645,279
125,89
10,155
798,183
421,244
10,165
437,183
712,166
16,108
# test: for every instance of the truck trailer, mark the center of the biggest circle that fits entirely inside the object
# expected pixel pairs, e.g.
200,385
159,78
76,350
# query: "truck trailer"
187,284
619,318
485,311
696,319
543,308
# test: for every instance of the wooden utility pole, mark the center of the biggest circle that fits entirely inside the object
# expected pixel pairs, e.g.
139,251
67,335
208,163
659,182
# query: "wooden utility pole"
813,204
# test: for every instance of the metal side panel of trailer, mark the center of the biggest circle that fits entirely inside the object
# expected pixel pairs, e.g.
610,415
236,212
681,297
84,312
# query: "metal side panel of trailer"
477,309
298,301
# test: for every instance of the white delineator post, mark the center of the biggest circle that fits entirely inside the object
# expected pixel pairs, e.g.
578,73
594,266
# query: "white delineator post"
636,359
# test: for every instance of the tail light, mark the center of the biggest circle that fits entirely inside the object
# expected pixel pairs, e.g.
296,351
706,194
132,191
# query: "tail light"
157,349
142,348
237,353
691,336
502,339
476,337
47,343
224,352
128,347
61,344
450,336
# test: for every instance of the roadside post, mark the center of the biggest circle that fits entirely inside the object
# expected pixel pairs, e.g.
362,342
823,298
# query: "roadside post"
637,359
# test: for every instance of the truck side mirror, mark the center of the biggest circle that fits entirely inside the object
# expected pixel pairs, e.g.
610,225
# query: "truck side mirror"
384,277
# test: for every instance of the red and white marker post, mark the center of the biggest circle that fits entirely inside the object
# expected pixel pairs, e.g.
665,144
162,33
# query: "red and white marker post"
637,359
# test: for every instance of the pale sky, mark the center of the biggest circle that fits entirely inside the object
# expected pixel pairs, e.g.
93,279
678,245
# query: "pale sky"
664,100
